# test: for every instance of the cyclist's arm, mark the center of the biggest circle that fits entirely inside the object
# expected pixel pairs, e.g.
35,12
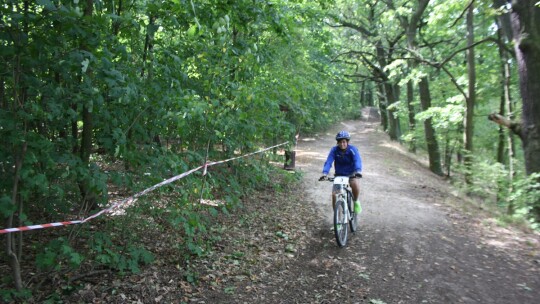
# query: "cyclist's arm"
329,161
357,161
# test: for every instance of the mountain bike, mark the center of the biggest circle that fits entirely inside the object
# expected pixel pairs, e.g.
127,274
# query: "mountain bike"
344,215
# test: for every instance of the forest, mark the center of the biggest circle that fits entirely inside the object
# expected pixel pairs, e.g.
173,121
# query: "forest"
102,99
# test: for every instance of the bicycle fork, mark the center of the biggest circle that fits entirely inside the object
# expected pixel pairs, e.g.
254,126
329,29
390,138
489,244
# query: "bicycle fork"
347,216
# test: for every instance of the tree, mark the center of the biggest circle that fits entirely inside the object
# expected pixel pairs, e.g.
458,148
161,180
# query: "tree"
124,93
470,99
506,139
375,54
526,29
411,27
525,23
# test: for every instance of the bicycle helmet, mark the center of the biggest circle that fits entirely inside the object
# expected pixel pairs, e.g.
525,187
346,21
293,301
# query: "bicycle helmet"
343,135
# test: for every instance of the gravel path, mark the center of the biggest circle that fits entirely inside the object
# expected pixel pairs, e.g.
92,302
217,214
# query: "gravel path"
414,244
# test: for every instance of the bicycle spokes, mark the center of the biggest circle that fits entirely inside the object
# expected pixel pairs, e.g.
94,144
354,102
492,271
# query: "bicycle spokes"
340,223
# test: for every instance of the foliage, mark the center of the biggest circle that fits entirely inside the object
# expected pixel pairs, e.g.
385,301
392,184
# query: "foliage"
104,252
525,197
103,101
383,54
57,253
513,197
485,175
11,295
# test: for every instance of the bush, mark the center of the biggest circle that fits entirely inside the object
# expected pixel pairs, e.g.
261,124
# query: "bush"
525,198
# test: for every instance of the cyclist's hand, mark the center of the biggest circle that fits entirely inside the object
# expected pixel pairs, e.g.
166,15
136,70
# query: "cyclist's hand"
324,177
358,174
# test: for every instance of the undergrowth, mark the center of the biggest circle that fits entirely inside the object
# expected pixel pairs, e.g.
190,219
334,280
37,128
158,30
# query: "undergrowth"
123,242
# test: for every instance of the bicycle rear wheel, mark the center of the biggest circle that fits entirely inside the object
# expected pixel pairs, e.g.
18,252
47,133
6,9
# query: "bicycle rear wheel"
353,221
353,217
340,223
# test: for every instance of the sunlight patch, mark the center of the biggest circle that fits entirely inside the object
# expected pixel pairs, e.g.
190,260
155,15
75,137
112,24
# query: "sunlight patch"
498,243
213,203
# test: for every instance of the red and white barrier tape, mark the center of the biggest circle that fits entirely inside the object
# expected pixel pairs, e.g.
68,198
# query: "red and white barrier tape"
133,197
34,227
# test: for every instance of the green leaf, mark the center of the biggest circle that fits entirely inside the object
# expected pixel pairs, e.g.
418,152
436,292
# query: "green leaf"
192,30
213,211
230,290
6,207
85,64
45,260
75,259
47,4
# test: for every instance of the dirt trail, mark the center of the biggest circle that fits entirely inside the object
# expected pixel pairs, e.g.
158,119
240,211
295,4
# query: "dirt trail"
416,243
412,245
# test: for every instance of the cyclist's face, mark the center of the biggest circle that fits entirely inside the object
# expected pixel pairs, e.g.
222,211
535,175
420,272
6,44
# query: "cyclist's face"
342,144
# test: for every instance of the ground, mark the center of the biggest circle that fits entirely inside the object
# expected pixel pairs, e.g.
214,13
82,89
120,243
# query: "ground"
419,241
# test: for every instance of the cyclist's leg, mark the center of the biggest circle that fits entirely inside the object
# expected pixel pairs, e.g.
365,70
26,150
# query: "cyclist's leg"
355,187
335,191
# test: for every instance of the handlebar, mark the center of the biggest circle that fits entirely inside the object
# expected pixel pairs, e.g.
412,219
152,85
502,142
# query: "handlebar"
331,179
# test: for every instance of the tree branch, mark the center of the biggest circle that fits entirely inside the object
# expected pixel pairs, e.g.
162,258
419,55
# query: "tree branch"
468,47
462,14
454,81
514,126
342,23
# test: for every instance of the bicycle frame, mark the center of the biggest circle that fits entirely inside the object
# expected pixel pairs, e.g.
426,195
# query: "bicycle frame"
341,183
342,189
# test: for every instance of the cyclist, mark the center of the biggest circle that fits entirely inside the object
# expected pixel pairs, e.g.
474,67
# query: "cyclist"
347,162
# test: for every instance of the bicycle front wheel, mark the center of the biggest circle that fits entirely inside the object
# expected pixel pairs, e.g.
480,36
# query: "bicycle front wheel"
340,223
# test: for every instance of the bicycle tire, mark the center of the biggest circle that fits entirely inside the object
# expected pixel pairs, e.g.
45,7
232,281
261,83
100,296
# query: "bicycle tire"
353,219
340,223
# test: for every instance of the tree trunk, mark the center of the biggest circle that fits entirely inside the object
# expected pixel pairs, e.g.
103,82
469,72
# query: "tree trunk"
525,22
116,23
526,30
393,122
14,255
148,43
412,121
2,92
382,106
19,99
431,138
290,160
74,131
389,93
147,62
362,94
369,95
89,198
501,143
411,28
448,151
506,146
504,19
471,97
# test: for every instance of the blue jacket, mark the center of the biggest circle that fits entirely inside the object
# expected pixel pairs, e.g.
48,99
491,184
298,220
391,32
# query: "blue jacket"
345,162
